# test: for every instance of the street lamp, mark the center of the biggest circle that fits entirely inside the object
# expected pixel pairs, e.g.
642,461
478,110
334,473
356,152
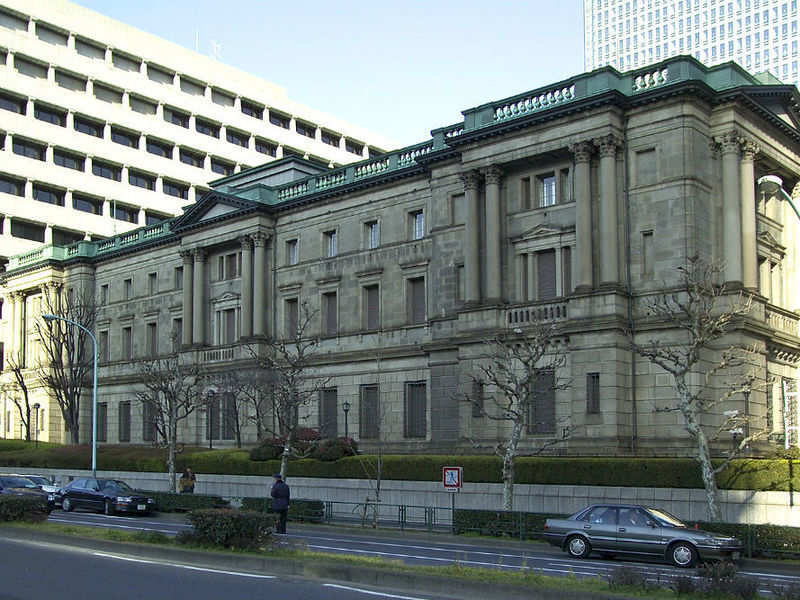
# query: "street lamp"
36,425
346,409
772,184
94,385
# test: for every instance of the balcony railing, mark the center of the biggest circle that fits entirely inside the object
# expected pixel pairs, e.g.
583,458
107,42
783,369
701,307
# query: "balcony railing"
542,311
222,354
782,321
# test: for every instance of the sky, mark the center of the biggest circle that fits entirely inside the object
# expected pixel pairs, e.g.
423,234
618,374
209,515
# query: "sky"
398,69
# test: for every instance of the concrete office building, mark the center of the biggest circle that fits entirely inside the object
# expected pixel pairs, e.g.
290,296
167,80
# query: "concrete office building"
572,203
106,128
760,35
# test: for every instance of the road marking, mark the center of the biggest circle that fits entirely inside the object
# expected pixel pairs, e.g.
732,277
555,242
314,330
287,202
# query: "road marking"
109,525
371,593
187,567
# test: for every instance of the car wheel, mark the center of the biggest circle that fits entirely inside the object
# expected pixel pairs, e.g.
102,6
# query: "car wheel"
578,547
682,554
108,507
66,505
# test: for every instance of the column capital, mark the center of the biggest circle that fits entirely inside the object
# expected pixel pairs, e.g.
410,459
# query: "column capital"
493,175
260,239
607,145
582,151
729,142
471,180
246,242
749,149
796,192
199,255
186,255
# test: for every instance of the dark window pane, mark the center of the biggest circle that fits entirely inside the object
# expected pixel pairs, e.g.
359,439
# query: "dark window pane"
207,128
89,127
124,137
235,137
48,195
68,160
10,185
159,148
368,427
50,115
124,421
151,218
29,149
27,231
13,104
142,180
593,393
331,139
266,147
106,170
191,158
372,294
252,110
328,413
415,410
176,117
221,167
87,204
542,419
416,299
125,213
353,147
178,190
279,120
305,129
546,274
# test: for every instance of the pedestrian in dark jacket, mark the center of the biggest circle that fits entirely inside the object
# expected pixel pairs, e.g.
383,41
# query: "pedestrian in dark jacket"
280,501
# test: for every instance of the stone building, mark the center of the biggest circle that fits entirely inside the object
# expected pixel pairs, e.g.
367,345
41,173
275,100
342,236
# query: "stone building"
574,202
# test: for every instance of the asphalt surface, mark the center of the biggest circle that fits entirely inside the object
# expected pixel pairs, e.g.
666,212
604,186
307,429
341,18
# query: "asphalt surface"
415,548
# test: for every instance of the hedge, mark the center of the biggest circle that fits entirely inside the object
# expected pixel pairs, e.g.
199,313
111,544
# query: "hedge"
171,502
240,529
310,511
15,507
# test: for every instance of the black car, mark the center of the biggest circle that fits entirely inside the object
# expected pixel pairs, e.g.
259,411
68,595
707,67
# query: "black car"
106,495
22,486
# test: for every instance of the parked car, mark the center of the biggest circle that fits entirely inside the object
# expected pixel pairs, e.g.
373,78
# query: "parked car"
45,483
106,495
611,529
22,486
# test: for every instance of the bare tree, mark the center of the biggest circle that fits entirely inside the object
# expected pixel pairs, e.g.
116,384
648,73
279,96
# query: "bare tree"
66,363
172,391
20,394
373,430
236,391
288,365
705,372
516,380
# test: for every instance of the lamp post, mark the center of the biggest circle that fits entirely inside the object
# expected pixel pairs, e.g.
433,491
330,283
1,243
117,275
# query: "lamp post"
772,184
346,409
36,425
94,385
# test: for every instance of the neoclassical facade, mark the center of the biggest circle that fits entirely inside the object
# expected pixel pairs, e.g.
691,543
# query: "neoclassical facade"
575,203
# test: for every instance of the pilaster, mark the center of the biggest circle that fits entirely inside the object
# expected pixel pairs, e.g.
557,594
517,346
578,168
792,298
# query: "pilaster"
247,286
582,151
493,235
188,283
472,267
199,301
609,239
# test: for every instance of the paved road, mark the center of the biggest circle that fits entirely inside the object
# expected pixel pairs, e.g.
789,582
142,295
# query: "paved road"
36,570
437,549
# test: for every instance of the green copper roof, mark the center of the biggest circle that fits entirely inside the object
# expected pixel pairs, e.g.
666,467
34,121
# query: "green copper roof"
582,87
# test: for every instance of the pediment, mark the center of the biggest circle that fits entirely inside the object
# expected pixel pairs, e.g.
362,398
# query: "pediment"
539,232
213,207
766,238
226,296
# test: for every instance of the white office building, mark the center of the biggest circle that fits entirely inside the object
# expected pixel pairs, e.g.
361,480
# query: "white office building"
105,128
760,35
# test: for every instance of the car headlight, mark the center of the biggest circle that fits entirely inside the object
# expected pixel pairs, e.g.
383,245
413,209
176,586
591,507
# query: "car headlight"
719,541
151,501
124,499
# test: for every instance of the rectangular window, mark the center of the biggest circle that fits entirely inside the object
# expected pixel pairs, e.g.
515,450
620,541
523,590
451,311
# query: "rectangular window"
564,187
62,237
176,334
542,405
328,414
48,114
593,393
127,289
125,63
124,138
154,218
252,110
124,421
213,418
142,106
416,300
566,270
330,315
89,50
27,231
102,421
66,159
87,204
28,149
125,213
525,193
329,239
107,170
227,332
647,255
353,147
371,307
148,422
176,117
152,283
48,195
192,87
279,120
417,224
415,413
102,343
142,180
369,417
152,339
221,167
265,147
237,137
305,129
104,294
177,278
30,68
127,343
159,148
332,139
10,185
371,234
179,190
189,157
546,275
159,75
13,103
207,127
547,190
229,266
292,252
290,314
107,94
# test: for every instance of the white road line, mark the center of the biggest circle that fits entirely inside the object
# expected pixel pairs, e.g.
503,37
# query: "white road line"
108,525
369,592
187,567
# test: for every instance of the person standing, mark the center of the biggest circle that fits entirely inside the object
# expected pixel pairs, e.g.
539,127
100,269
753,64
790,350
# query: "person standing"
187,481
280,501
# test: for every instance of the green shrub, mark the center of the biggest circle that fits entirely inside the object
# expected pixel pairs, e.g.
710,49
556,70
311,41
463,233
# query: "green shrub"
334,449
22,508
310,511
519,525
238,529
170,502
269,449
625,577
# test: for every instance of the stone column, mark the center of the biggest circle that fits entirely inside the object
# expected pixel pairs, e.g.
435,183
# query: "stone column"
199,300
494,292
609,239
583,217
731,206
259,283
247,286
12,316
748,197
472,265
188,283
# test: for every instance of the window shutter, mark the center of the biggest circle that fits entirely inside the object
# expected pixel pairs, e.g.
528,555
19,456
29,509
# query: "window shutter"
124,421
328,413
416,289
566,261
546,274
368,421
228,417
593,393
415,425
373,314
330,314
291,318
543,417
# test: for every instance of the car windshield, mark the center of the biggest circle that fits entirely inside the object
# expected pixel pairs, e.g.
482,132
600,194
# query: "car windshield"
118,485
38,480
18,482
665,518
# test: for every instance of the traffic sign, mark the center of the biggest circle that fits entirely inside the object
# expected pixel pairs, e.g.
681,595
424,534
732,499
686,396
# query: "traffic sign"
452,478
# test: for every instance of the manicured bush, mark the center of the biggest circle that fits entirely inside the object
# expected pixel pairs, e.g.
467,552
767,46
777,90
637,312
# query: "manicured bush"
310,511
22,508
239,529
169,502
334,449
627,578
270,449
